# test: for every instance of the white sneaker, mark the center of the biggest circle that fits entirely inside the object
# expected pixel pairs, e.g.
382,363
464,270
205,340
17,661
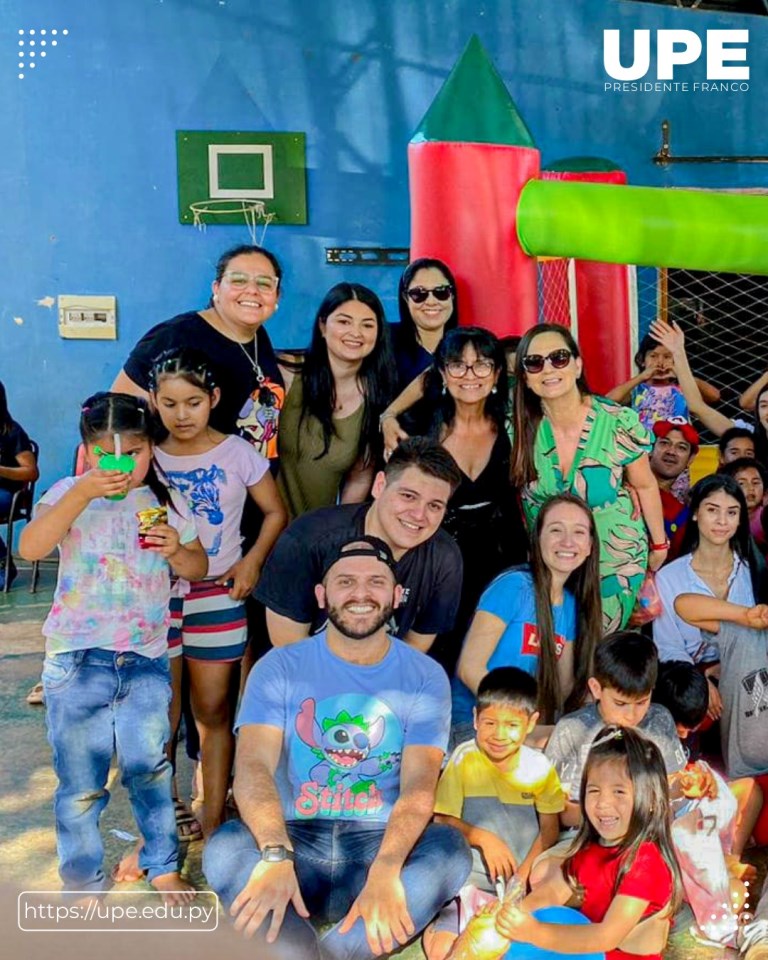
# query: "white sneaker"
753,940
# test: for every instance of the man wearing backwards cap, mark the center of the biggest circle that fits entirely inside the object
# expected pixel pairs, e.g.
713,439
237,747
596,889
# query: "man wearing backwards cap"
410,497
677,443
340,741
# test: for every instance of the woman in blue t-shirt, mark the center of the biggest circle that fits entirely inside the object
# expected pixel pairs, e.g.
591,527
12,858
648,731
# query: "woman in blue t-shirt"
544,618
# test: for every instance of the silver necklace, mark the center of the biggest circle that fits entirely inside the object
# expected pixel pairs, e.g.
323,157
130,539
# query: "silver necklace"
253,360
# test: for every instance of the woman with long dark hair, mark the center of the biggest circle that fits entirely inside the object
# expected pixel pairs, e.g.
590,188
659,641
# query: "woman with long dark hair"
426,299
335,393
543,618
564,438
17,467
718,560
464,409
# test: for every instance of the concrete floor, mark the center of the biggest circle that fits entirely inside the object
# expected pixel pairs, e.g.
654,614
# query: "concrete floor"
27,841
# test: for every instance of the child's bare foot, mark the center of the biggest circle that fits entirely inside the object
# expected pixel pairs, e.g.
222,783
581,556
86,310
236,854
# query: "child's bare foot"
128,870
173,888
437,944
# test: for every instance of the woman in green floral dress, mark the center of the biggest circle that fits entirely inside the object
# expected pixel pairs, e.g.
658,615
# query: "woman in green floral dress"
566,439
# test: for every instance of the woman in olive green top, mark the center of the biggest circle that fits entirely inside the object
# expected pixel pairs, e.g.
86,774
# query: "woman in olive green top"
335,393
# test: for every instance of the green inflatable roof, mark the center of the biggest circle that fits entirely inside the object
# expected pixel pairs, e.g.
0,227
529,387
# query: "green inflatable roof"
474,106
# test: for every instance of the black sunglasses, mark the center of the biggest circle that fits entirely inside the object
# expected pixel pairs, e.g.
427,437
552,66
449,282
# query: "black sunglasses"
420,294
534,362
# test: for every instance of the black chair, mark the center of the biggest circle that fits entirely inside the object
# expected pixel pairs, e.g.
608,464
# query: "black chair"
21,509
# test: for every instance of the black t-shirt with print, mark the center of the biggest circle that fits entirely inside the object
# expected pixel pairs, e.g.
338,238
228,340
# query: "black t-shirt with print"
245,408
430,574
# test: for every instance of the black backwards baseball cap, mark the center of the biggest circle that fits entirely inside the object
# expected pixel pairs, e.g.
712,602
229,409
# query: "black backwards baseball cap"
361,546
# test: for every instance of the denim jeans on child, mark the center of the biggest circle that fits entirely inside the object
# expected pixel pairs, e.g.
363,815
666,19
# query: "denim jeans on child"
99,702
332,861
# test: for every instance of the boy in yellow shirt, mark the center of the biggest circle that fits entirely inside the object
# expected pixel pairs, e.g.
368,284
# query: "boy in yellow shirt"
503,796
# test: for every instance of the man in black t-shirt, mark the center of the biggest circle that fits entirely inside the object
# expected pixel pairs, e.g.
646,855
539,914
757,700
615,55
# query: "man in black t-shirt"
410,498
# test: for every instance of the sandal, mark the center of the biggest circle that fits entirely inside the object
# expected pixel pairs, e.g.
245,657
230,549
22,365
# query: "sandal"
188,827
35,697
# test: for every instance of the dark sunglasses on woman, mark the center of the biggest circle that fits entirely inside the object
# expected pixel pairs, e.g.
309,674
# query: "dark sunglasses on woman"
559,359
420,294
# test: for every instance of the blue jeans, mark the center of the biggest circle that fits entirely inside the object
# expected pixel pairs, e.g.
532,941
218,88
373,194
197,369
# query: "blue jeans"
332,861
98,702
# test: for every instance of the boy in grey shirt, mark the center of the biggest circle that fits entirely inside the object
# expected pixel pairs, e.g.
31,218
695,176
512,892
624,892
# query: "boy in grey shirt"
626,665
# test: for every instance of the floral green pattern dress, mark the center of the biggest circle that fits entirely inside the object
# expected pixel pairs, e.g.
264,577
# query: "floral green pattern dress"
611,438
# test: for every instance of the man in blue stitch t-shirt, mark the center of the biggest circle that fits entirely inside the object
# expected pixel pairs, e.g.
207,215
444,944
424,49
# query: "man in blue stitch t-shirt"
340,741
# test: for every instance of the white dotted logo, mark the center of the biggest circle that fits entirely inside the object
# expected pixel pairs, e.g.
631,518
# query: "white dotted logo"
34,45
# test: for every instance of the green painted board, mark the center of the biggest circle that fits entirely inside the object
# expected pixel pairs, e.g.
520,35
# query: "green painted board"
228,172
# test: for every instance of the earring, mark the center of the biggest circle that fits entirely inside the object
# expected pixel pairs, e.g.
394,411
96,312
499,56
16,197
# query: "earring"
277,306
215,298
444,390
494,389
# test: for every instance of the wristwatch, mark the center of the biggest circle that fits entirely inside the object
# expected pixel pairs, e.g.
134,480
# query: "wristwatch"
276,853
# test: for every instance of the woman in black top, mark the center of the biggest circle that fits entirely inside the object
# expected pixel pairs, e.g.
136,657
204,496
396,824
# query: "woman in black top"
464,408
230,332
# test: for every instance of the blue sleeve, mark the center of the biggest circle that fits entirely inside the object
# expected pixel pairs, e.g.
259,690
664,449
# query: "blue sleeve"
506,597
266,693
429,718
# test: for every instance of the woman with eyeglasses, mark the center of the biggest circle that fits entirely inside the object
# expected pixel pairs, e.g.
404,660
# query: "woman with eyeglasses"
464,408
566,439
426,300
230,332
335,393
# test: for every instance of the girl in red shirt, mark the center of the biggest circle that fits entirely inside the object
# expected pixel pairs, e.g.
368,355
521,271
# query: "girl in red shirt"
621,870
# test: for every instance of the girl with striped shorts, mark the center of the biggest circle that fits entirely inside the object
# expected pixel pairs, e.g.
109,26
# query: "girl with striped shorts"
215,473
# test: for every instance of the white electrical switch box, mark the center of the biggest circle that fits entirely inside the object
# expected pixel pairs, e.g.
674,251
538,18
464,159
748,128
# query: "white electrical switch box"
87,318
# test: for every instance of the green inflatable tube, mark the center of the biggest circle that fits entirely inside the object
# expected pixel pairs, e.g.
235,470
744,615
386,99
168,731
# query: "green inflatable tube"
646,226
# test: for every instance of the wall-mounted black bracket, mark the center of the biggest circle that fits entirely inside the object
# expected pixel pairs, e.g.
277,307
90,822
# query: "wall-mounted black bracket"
664,157
367,256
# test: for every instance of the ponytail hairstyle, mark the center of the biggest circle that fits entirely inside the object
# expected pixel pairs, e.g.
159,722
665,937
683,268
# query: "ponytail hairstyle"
528,412
105,414
584,584
188,364
650,819
376,376
6,420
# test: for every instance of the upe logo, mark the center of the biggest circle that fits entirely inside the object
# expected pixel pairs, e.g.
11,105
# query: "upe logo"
677,48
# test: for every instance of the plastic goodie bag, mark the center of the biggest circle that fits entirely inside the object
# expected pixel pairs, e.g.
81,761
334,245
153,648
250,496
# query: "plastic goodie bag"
648,604
702,833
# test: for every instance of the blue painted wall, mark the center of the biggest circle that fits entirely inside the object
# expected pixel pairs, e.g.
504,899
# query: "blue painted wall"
88,167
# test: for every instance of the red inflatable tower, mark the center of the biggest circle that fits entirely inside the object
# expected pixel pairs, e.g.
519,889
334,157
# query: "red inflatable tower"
468,161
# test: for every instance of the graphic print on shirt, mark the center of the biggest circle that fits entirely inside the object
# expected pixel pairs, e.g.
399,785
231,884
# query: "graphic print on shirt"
259,418
345,756
531,641
756,685
200,489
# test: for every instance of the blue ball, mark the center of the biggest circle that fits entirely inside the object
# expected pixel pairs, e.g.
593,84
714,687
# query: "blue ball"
526,951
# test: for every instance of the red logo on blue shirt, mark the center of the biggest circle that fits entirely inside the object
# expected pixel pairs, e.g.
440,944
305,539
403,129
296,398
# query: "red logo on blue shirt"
531,641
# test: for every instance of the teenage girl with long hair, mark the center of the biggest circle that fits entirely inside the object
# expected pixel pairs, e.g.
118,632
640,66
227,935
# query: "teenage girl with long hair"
719,560
335,393
105,677
544,618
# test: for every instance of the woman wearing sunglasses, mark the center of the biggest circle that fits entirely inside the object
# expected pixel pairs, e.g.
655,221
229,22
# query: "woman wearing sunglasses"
464,409
427,302
566,439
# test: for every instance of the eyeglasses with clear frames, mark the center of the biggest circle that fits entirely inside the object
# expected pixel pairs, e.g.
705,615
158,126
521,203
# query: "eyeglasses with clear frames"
480,368
263,283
